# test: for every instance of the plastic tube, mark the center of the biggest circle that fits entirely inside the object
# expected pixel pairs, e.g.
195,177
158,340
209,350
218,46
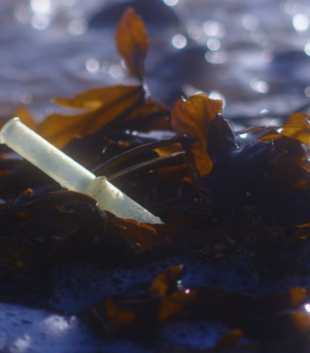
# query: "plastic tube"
69,173
45,156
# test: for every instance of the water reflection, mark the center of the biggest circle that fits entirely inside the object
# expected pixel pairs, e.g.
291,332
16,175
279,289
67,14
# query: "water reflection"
26,98
307,49
250,22
189,90
41,6
259,86
215,57
264,111
58,325
171,2
194,30
267,56
40,21
41,13
218,95
239,50
307,91
213,44
214,29
92,65
179,41
117,71
21,344
22,13
300,22
77,27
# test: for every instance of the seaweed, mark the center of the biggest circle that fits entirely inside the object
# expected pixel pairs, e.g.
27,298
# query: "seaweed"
166,300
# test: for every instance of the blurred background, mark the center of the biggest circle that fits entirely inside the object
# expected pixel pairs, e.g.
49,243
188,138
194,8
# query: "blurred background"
252,54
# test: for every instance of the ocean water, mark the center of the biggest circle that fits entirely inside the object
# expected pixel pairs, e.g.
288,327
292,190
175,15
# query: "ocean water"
254,55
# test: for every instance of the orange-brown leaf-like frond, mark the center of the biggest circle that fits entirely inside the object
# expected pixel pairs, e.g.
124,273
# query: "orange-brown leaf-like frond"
103,106
132,42
166,281
194,117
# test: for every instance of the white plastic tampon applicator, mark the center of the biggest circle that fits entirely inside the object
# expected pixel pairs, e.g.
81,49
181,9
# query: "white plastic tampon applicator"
69,173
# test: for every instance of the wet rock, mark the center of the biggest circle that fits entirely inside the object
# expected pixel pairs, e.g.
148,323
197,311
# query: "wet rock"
289,61
183,67
289,72
154,13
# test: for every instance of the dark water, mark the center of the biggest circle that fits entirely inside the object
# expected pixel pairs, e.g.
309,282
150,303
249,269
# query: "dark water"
252,54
